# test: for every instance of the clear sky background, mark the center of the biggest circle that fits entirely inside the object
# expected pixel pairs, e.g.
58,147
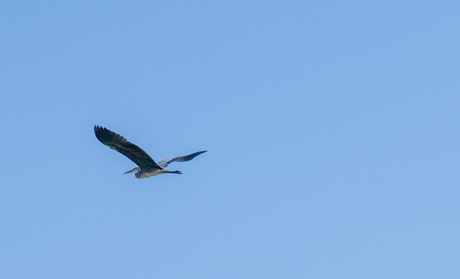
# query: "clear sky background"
332,129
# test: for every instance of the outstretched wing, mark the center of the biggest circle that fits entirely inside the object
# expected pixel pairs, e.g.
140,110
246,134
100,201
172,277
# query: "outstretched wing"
122,145
166,162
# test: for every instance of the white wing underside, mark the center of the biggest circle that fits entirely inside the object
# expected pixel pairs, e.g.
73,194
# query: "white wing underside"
164,163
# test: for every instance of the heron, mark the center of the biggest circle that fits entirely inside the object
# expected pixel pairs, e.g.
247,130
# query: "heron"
147,167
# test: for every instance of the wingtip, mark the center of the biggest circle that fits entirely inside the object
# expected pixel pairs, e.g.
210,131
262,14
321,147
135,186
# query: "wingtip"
97,128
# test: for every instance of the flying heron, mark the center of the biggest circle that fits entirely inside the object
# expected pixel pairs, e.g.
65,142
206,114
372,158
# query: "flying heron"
146,165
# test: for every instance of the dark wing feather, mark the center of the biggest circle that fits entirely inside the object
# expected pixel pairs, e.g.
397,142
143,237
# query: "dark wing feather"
122,145
166,162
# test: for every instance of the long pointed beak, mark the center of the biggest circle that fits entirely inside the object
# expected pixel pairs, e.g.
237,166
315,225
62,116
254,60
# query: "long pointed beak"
131,171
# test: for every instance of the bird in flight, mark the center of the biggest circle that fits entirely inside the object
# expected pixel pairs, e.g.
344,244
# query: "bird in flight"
147,167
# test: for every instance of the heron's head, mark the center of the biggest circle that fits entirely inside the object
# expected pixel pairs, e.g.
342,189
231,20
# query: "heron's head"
135,170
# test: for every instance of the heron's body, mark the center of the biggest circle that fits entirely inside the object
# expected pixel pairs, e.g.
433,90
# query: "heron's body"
147,167
139,173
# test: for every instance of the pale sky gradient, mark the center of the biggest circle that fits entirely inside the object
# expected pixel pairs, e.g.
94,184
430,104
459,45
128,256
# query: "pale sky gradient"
332,129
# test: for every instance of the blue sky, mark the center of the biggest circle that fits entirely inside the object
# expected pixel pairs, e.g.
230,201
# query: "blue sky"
332,131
